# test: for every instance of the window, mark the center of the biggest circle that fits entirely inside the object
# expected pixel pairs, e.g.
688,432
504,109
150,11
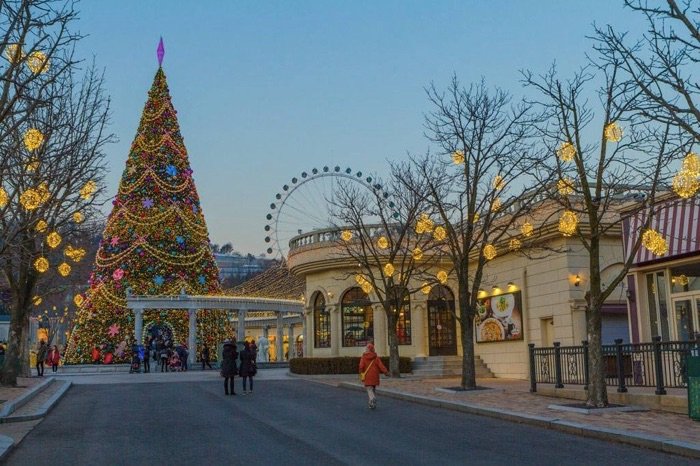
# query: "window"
357,318
399,296
322,323
685,278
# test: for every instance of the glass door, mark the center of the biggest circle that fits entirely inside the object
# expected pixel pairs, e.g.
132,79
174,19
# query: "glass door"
683,314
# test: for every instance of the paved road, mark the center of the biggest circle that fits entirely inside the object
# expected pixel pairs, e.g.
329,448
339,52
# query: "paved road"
290,422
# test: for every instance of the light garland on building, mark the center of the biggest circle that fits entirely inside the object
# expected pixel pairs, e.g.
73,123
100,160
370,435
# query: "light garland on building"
568,222
613,132
33,139
490,252
653,241
566,152
458,157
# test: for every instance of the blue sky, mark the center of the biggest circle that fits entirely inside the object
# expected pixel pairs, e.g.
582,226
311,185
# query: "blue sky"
266,90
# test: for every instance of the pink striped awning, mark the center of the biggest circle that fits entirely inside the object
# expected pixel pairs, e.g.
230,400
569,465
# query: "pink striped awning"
677,220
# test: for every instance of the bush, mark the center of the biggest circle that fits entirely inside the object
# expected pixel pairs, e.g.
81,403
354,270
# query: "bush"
338,365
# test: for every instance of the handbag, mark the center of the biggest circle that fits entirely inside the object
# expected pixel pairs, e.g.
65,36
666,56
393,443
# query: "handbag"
363,374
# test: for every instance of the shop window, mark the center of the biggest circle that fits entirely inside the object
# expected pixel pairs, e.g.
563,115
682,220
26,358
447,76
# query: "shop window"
658,305
685,278
357,318
400,297
322,323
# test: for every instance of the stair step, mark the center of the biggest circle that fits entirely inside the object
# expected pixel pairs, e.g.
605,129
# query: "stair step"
447,365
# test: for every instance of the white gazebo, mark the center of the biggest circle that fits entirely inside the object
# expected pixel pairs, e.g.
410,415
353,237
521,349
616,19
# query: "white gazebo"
241,304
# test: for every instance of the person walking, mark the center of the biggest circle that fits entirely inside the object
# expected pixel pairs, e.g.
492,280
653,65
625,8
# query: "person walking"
206,357
228,366
40,357
248,367
53,358
370,368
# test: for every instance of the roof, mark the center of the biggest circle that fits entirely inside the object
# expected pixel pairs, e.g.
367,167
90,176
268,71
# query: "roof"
276,282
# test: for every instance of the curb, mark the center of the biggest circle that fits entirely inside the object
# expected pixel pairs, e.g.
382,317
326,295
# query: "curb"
652,442
13,405
44,408
6,445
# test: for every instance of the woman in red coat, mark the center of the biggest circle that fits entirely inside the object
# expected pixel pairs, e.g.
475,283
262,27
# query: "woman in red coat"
371,366
53,358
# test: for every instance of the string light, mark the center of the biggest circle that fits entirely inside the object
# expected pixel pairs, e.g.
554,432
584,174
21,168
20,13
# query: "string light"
566,152
496,206
37,300
417,254
53,239
527,229
685,183
30,199
389,269
442,276
425,289
653,241
565,186
568,222
490,252
43,191
64,269
14,53
366,287
33,139
37,62
613,132
41,264
360,279
4,198
78,300
691,163
41,226
32,166
88,190
498,183
346,235
458,157
476,217
383,242
424,224
440,233
514,244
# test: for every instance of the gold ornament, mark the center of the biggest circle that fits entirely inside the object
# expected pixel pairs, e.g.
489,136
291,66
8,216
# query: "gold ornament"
686,184
424,224
566,152
568,222
442,276
613,132
14,53
30,199
33,139
496,206
64,269
490,252
514,244
440,233
78,217
498,183
43,191
654,242
425,289
88,190
53,239
4,198
36,300
565,186
389,269
78,300
691,163
366,287
32,166
360,279
41,226
383,242
346,235
527,229
41,264
458,157
681,280
37,62
417,254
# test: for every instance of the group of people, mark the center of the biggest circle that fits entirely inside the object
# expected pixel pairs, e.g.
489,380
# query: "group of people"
242,364
49,356
169,357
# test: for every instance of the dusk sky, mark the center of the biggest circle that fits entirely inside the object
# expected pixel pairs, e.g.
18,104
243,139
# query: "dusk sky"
266,90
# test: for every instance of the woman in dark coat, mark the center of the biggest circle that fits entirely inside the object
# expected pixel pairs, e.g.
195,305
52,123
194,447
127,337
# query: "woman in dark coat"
228,365
248,367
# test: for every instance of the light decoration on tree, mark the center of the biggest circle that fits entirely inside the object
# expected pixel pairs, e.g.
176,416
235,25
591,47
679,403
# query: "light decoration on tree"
4,198
383,242
41,264
37,62
41,226
78,300
653,241
53,239
515,244
32,166
14,53
389,269
498,183
566,152
527,229
613,132
360,279
88,190
682,280
346,235
458,157
424,224
64,269
33,139
440,233
476,217
417,254
30,199
565,186
425,288
366,287
78,217
568,222
685,184
490,252
76,254
691,163
43,191
496,205
37,300
442,276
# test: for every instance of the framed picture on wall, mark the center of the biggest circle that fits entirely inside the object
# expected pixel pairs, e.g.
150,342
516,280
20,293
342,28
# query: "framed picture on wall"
499,318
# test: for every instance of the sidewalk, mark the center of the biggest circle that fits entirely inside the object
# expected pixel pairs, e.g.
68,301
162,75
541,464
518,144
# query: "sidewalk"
511,399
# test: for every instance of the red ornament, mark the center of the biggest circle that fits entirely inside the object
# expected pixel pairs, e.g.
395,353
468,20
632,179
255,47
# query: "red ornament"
95,355
108,358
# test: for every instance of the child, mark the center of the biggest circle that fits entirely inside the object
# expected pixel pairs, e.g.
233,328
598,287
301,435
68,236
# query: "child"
175,363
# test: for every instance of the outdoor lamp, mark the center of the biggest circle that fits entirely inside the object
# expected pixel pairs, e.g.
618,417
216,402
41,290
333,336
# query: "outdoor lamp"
577,280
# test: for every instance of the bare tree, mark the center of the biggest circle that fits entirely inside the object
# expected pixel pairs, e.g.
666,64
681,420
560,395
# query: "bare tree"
52,183
662,61
476,187
600,163
378,242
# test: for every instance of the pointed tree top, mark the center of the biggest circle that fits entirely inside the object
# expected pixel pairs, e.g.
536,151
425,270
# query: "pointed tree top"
160,52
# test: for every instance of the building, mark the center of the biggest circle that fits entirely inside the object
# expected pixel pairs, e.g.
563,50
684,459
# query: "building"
236,267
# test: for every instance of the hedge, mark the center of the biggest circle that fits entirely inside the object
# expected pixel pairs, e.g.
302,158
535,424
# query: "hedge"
338,365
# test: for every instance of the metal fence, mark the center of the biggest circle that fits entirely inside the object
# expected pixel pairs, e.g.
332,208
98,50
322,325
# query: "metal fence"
656,364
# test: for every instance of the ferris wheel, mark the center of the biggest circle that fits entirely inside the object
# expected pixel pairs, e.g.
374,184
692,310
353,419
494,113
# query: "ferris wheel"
305,204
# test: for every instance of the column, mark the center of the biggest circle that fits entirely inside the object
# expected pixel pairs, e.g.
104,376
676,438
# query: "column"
138,325
192,340
305,331
381,345
418,329
240,332
280,349
292,343
336,334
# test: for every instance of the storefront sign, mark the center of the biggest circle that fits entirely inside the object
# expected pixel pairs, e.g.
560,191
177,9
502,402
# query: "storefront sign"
499,318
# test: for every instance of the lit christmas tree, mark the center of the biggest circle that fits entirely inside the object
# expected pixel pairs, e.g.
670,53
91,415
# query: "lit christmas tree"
155,242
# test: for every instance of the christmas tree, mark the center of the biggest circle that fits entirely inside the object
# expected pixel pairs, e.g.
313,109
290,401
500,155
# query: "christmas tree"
155,242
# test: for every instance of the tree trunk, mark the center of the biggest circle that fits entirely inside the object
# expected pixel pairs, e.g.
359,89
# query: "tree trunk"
466,326
597,389
17,354
394,368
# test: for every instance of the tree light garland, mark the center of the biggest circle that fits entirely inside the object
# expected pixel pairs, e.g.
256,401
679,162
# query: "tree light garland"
78,217
346,235
527,229
53,239
417,254
686,184
565,186
514,244
37,62
442,276
33,139
4,198
498,183
566,152
36,300
490,252
496,205
32,166
568,222
78,300
41,264
383,242
389,269
30,199
458,157
14,53
88,190
41,226
691,163
440,233
64,269
613,132
425,289
653,241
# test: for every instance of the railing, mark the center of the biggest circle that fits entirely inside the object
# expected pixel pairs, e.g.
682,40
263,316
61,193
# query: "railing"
328,236
656,364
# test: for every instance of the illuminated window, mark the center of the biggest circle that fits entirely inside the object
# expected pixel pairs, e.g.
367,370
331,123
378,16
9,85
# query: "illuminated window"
322,323
357,318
